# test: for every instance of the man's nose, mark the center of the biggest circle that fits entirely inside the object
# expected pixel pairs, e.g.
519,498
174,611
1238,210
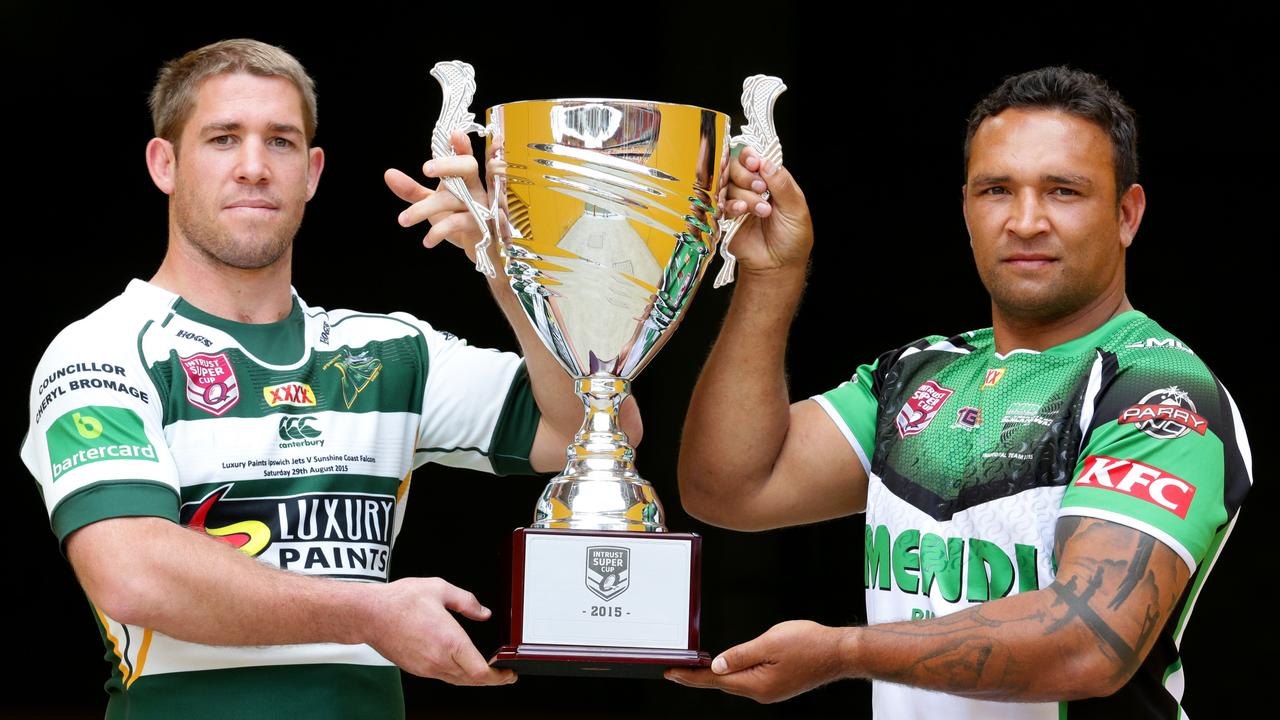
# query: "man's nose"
252,166
1028,218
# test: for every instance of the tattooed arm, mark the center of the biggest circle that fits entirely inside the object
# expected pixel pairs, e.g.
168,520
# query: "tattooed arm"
1083,636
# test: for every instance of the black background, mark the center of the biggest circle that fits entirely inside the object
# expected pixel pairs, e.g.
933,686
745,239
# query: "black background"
872,126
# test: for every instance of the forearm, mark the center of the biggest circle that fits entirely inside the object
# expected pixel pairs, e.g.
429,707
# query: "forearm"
740,410
1021,648
1083,636
195,588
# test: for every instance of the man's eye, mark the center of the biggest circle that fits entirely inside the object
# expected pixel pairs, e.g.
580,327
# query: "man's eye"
994,190
280,142
1065,192
221,140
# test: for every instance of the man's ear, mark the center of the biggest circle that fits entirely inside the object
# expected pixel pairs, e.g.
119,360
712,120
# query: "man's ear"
162,163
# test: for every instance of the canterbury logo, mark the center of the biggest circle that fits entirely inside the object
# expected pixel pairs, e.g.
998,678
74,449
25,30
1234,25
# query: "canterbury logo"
294,393
296,428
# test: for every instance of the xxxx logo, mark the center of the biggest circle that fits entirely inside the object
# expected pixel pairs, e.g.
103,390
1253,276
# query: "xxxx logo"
250,537
294,393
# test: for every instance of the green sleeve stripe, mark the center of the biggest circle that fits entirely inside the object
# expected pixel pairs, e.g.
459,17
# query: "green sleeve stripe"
111,499
1134,523
845,430
512,440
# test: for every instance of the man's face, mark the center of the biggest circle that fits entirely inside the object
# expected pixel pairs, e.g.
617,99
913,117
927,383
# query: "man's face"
1040,204
244,172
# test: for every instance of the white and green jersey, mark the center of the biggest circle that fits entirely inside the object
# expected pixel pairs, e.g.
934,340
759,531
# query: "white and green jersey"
293,441
972,457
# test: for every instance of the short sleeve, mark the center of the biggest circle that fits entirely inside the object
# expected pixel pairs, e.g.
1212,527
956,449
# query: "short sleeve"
852,406
478,409
95,443
1162,456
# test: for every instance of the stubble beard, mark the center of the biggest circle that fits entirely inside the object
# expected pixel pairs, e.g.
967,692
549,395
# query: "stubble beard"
253,249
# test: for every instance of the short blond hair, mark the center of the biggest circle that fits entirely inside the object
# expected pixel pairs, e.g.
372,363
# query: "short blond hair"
174,96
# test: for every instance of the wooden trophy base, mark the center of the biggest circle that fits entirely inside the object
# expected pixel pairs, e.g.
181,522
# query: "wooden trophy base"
592,603
587,661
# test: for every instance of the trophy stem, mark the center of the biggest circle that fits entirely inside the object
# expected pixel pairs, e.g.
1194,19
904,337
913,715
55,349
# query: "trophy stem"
600,488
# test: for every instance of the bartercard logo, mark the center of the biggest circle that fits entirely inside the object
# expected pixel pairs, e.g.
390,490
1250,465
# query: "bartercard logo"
921,408
94,434
1165,414
294,393
1135,479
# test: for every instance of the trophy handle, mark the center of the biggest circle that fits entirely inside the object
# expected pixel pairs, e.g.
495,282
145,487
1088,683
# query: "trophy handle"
458,82
759,93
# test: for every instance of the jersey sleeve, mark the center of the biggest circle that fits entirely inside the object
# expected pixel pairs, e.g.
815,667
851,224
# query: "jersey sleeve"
852,406
1163,454
478,409
96,443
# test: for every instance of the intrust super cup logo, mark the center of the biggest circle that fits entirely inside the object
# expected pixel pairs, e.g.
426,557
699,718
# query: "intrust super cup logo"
211,382
921,408
608,571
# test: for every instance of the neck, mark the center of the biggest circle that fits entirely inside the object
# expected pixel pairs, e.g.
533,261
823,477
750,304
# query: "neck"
255,296
1014,333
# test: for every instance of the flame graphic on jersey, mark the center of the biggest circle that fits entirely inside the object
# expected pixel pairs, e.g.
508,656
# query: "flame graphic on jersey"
248,536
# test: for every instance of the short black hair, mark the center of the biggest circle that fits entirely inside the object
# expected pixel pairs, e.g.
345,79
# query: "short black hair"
1075,92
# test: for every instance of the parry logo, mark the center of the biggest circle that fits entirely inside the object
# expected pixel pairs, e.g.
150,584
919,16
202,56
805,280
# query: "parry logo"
357,372
1135,479
608,571
93,434
211,382
921,408
293,393
1165,414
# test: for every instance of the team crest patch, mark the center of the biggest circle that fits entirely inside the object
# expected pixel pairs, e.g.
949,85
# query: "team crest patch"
921,408
608,571
211,382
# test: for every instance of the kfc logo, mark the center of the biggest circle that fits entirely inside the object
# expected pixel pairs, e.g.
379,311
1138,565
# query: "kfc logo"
921,408
1140,481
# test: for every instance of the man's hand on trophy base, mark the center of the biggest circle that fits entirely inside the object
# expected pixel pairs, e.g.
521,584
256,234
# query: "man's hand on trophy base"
413,628
449,217
790,658
780,233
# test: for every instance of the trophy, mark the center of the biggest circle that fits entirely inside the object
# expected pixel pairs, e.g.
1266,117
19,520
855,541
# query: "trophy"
607,215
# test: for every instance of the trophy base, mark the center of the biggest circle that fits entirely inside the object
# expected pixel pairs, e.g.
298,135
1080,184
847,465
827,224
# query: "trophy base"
586,661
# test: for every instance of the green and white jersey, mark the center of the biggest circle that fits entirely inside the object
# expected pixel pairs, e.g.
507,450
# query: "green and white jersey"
973,456
293,441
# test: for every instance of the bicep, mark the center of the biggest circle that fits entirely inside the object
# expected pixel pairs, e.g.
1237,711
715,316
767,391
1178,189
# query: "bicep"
1120,585
817,476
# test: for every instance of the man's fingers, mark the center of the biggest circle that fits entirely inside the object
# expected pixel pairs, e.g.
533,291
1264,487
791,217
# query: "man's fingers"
463,166
459,229
739,657
461,601
405,187
745,683
782,187
698,678
741,176
436,203
473,667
